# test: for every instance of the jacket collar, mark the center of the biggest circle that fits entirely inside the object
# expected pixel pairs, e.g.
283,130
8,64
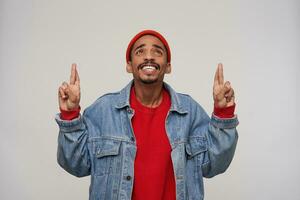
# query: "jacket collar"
176,104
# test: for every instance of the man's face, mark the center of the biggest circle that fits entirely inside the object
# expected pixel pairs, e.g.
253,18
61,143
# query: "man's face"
148,60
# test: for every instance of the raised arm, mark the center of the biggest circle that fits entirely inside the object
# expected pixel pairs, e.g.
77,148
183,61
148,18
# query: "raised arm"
72,152
221,133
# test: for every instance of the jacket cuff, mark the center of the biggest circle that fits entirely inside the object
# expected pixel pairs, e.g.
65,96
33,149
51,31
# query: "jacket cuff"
69,125
224,123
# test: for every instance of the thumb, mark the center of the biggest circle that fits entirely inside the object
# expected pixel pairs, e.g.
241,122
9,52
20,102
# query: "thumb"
61,97
65,87
226,87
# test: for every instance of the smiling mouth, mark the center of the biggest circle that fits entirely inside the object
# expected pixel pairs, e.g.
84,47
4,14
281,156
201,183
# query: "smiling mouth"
149,66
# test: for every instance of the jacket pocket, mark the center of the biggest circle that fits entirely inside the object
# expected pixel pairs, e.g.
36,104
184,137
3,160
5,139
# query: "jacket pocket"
196,151
106,156
195,146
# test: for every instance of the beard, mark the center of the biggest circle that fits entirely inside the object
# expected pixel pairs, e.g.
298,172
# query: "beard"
148,82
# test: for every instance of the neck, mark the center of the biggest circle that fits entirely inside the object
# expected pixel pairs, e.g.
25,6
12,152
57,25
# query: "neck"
149,95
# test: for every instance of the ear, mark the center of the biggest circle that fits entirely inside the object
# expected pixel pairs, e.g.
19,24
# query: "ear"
168,68
129,67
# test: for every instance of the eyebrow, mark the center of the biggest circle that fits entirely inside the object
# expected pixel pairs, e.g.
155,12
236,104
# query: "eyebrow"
155,45
159,47
142,45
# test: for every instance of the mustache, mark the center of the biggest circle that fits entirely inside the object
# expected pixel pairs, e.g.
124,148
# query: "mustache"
147,63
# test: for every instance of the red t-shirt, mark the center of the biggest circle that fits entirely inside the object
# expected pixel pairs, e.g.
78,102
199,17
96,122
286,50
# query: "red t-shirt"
153,169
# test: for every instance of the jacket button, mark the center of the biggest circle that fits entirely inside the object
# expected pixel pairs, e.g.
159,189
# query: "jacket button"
128,178
129,110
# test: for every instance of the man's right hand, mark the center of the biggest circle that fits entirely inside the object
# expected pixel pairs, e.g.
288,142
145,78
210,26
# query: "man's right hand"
69,94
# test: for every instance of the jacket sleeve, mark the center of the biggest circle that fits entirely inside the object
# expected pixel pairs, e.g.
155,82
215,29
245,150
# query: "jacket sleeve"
221,138
72,151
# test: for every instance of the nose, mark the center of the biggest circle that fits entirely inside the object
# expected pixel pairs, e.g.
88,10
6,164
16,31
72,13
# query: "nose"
148,56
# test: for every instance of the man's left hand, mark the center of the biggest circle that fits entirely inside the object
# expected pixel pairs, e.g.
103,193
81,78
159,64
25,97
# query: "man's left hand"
223,93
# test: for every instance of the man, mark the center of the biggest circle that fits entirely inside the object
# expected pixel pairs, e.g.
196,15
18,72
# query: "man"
146,141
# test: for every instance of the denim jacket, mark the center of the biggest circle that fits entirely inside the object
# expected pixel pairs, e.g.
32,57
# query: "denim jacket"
101,143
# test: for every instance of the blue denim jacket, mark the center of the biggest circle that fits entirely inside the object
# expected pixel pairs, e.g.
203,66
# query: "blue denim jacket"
101,143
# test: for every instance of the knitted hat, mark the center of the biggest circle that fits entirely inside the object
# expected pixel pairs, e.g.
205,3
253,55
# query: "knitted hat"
148,32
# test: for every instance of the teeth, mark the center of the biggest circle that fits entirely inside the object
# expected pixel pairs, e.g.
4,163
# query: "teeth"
149,67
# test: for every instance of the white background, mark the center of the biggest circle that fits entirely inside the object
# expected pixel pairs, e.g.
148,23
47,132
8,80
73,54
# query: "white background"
257,41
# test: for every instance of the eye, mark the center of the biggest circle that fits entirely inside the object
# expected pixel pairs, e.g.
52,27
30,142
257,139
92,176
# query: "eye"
139,52
158,52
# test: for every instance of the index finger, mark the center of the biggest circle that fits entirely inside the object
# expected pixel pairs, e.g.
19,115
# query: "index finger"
73,74
77,79
220,74
216,80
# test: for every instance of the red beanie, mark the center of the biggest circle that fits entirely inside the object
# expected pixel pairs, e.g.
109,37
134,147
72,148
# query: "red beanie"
148,32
